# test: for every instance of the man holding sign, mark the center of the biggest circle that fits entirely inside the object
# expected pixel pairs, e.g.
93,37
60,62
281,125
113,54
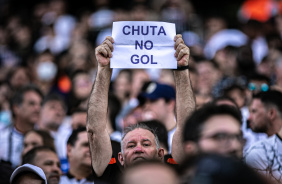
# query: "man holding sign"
144,45
139,142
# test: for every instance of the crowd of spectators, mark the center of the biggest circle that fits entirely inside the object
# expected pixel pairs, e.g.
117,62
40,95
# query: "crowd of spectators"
48,67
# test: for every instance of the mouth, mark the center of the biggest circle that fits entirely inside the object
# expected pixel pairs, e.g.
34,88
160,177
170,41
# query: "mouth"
138,158
54,177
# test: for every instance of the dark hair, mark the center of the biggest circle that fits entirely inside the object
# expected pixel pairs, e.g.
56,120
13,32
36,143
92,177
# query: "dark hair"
48,140
259,77
194,124
18,98
73,137
29,157
271,97
55,97
160,130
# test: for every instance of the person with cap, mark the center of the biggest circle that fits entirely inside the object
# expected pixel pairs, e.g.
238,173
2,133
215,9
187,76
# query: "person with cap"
159,105
28,174
46,158
139,142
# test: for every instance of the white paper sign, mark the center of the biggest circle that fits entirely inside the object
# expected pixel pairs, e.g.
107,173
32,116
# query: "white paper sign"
143,44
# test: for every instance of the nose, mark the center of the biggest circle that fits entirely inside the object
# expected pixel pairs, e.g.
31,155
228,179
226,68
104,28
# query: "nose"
138,149
56,169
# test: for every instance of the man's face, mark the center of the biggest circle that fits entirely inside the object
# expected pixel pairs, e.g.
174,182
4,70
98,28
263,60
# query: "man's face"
139,145
156,109
49,162
80,151
221,134
258,116
52,114
29,110
31,140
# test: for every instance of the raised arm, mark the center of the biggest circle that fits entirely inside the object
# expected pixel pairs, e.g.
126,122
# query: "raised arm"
99,139
185,100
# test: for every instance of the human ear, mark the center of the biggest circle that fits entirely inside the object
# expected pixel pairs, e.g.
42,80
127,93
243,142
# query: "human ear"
120,158
161,153
272,113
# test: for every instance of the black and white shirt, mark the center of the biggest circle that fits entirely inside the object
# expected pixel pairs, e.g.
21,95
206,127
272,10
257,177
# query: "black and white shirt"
266,157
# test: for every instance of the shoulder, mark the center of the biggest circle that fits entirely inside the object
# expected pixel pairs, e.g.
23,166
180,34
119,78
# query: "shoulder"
259,153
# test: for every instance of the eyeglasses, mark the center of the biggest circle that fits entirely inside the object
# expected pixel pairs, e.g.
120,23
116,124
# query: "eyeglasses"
224,138
253,87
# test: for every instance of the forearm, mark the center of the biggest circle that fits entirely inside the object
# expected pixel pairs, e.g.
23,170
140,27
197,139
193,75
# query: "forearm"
99,139
98,102
185,105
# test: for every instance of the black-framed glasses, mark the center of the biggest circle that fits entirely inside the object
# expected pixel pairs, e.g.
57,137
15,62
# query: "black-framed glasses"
223,137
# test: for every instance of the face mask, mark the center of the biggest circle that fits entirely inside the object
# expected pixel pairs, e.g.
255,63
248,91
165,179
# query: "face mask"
46,71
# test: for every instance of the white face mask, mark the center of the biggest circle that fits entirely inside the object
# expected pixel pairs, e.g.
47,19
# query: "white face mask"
46,71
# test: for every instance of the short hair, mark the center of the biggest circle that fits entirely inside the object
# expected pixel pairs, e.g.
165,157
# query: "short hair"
55,97
73,137
194,123
141,126
271,97
18,98
160,130
29,157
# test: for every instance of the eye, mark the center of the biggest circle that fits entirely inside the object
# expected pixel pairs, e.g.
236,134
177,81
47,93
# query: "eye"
220,136
130,146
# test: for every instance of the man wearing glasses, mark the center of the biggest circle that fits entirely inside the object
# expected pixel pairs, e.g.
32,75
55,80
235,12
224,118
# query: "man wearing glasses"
214,129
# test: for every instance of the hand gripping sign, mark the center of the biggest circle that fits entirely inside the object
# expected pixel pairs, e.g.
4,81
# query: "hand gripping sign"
143,44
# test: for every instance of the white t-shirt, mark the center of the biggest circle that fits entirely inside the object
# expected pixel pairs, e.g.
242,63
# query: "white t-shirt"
266,157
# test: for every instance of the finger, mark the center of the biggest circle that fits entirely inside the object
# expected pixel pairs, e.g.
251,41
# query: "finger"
179,47
109,44
101,50
109,52
110,39
177,36
178,41
183,52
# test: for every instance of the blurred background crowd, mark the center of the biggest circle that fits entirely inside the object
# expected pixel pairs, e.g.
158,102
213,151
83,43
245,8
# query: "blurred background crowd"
235,47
